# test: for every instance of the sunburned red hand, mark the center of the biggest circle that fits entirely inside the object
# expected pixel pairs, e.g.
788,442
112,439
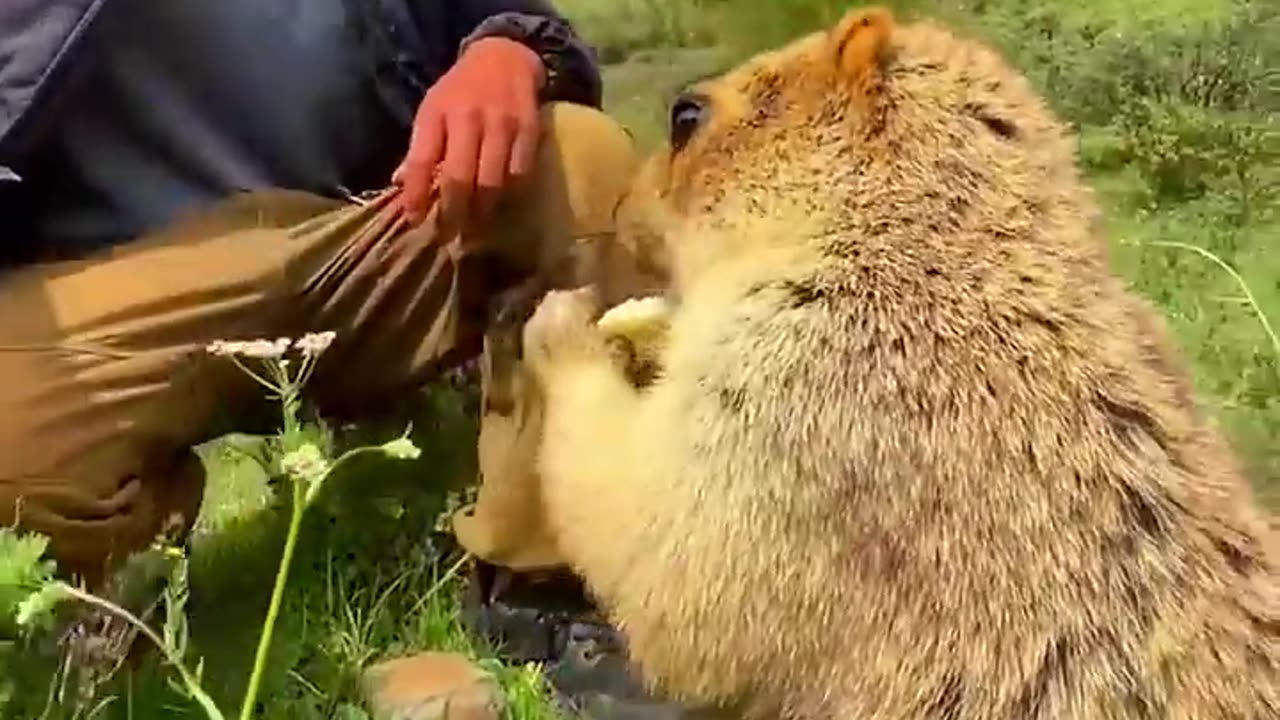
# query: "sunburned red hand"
476,129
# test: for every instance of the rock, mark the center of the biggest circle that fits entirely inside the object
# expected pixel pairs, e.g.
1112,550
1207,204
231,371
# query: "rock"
431,686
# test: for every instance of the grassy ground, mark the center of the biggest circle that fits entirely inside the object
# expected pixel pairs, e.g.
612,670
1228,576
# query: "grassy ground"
369,582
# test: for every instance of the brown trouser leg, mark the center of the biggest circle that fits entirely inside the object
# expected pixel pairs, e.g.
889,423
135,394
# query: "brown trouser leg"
106,386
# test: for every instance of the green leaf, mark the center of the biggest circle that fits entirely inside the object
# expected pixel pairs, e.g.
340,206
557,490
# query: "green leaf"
23,570
35,609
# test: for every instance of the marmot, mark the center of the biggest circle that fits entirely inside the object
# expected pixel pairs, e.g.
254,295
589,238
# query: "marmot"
914,451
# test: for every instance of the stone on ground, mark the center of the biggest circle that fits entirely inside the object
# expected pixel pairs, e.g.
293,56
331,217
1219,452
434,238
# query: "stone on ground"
432,686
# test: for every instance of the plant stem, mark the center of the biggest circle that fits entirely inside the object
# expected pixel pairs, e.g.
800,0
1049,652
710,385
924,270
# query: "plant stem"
1240,282
314,490
273,610
289,409
189,680
439,583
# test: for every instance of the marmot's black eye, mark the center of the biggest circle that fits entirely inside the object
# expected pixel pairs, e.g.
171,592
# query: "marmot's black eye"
687,114
1001,127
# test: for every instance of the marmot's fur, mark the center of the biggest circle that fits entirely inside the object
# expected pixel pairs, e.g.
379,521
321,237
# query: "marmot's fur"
915,451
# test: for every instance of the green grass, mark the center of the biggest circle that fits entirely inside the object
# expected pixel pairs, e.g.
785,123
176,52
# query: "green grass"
372,580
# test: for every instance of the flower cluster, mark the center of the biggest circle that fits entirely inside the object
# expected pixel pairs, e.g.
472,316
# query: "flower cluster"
310,345
306,463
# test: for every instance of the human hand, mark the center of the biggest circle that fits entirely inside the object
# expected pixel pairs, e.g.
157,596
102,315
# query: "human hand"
476,129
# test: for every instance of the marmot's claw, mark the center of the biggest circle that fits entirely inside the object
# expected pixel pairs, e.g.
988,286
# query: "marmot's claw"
562,328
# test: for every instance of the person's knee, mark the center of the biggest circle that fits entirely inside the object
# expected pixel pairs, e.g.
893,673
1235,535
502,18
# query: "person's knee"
591,135
593,155
92,527
585,162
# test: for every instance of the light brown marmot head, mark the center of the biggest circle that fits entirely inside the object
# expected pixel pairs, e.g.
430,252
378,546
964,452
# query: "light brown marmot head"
904,138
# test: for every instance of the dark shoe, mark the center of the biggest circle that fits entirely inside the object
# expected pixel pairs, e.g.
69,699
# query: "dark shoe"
593,679
548,618
524,616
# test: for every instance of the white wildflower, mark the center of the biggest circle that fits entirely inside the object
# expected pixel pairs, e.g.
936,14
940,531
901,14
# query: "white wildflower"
256,349
261,349
306,463
401,449
312,344
224,347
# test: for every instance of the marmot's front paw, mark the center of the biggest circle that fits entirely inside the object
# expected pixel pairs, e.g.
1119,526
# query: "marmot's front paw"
562,330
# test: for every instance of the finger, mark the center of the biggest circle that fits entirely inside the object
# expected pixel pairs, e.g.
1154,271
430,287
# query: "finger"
458,171
524,147
495,153
495,150
416,173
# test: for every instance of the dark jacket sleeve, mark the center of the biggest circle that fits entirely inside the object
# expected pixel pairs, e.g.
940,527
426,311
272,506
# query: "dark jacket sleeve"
36,42
573,74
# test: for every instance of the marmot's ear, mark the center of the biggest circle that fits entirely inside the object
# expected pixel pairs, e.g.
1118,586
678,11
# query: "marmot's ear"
858,42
